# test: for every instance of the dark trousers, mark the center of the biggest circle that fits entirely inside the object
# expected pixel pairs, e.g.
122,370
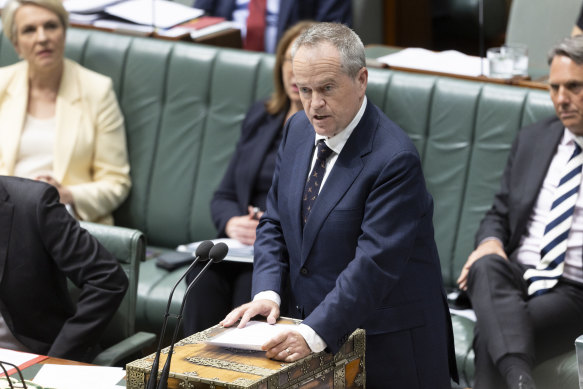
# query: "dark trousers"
222,287
509,322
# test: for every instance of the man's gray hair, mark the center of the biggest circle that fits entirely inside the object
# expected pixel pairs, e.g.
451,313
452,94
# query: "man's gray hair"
571,47
346,41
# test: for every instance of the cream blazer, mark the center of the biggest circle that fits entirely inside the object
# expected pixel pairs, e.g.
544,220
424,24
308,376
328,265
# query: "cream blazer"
90,155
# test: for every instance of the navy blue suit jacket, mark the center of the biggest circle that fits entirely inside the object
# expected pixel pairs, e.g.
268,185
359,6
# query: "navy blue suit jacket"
366,257
258,131
290,11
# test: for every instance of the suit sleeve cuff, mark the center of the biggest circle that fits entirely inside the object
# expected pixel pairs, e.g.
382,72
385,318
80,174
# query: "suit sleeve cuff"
314,341
268,295
491,238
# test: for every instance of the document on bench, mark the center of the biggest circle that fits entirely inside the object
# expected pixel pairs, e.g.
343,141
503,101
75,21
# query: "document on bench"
158,13
75,377
449,61
238,252
21,359
251,337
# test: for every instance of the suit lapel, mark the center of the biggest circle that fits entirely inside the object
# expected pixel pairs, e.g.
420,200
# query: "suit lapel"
68,120
13,112
544,147
297,178
345,171
6,211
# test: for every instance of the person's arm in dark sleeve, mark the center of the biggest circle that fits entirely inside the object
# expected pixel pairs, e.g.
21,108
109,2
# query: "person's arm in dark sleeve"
90,267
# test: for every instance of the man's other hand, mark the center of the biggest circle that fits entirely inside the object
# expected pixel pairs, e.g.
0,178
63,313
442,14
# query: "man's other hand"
491,246
245,312
288,346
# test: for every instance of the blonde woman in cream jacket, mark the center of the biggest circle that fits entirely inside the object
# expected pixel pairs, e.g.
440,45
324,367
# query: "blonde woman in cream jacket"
60,122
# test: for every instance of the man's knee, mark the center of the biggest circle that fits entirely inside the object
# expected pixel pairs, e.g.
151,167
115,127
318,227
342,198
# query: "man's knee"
486,265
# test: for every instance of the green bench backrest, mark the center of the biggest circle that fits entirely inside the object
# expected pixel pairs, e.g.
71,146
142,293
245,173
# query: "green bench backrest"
184,104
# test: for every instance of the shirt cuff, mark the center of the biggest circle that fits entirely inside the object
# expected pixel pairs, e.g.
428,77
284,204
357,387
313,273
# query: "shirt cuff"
268,295
491,238
314,341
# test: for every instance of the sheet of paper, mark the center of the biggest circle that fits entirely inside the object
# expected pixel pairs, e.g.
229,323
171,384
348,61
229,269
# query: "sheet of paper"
124,28
238,252
20,359
252,337
449,61
75,377
467,313
159,13
87,6
213,29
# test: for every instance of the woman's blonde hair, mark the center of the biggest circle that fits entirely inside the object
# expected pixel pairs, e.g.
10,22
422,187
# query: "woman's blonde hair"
279,99
11,6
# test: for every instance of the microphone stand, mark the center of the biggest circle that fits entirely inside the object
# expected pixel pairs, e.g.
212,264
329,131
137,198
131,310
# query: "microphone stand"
202,254
216,255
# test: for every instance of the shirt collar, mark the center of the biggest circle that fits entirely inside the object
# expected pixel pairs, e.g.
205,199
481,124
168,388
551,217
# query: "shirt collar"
570,138
337,142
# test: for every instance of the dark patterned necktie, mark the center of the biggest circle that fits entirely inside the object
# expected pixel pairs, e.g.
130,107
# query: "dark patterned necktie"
554,241
312,187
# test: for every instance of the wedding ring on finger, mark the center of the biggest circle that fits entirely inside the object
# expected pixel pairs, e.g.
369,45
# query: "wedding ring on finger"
287,351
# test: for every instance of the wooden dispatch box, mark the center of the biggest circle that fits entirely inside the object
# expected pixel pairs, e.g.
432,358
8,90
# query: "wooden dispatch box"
196,365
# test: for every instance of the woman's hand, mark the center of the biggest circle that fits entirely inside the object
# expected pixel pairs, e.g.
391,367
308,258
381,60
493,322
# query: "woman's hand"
64,193
242,228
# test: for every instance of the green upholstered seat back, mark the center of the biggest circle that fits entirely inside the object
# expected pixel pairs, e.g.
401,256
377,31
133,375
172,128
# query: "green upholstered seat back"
463,131
183,106
184,103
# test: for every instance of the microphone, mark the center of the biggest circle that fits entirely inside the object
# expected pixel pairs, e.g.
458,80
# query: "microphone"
216,254
202,254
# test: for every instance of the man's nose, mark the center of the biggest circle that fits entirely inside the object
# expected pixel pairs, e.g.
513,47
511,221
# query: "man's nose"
563,96
317,100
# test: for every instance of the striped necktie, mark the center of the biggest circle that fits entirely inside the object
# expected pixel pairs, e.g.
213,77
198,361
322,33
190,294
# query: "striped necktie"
554,241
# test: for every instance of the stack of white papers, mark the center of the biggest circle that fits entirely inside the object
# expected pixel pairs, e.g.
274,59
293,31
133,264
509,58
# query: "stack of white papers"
75,377
157,13
450,61
251,337
88,6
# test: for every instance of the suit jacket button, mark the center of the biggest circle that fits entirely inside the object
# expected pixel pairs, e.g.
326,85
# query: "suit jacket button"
304,271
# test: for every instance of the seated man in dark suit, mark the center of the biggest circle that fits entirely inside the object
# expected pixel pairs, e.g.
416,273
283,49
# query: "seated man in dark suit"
41,246
349,222
525,277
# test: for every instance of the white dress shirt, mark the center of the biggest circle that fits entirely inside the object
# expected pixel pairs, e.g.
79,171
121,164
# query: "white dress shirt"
529,248
336,143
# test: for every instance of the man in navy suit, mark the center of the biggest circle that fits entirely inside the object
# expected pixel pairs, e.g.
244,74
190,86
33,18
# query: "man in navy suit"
288,13
351,227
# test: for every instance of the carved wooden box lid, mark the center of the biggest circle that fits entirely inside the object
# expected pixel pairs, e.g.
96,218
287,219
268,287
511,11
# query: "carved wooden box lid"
196,364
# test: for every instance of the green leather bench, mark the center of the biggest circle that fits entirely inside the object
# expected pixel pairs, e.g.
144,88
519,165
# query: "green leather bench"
183,104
